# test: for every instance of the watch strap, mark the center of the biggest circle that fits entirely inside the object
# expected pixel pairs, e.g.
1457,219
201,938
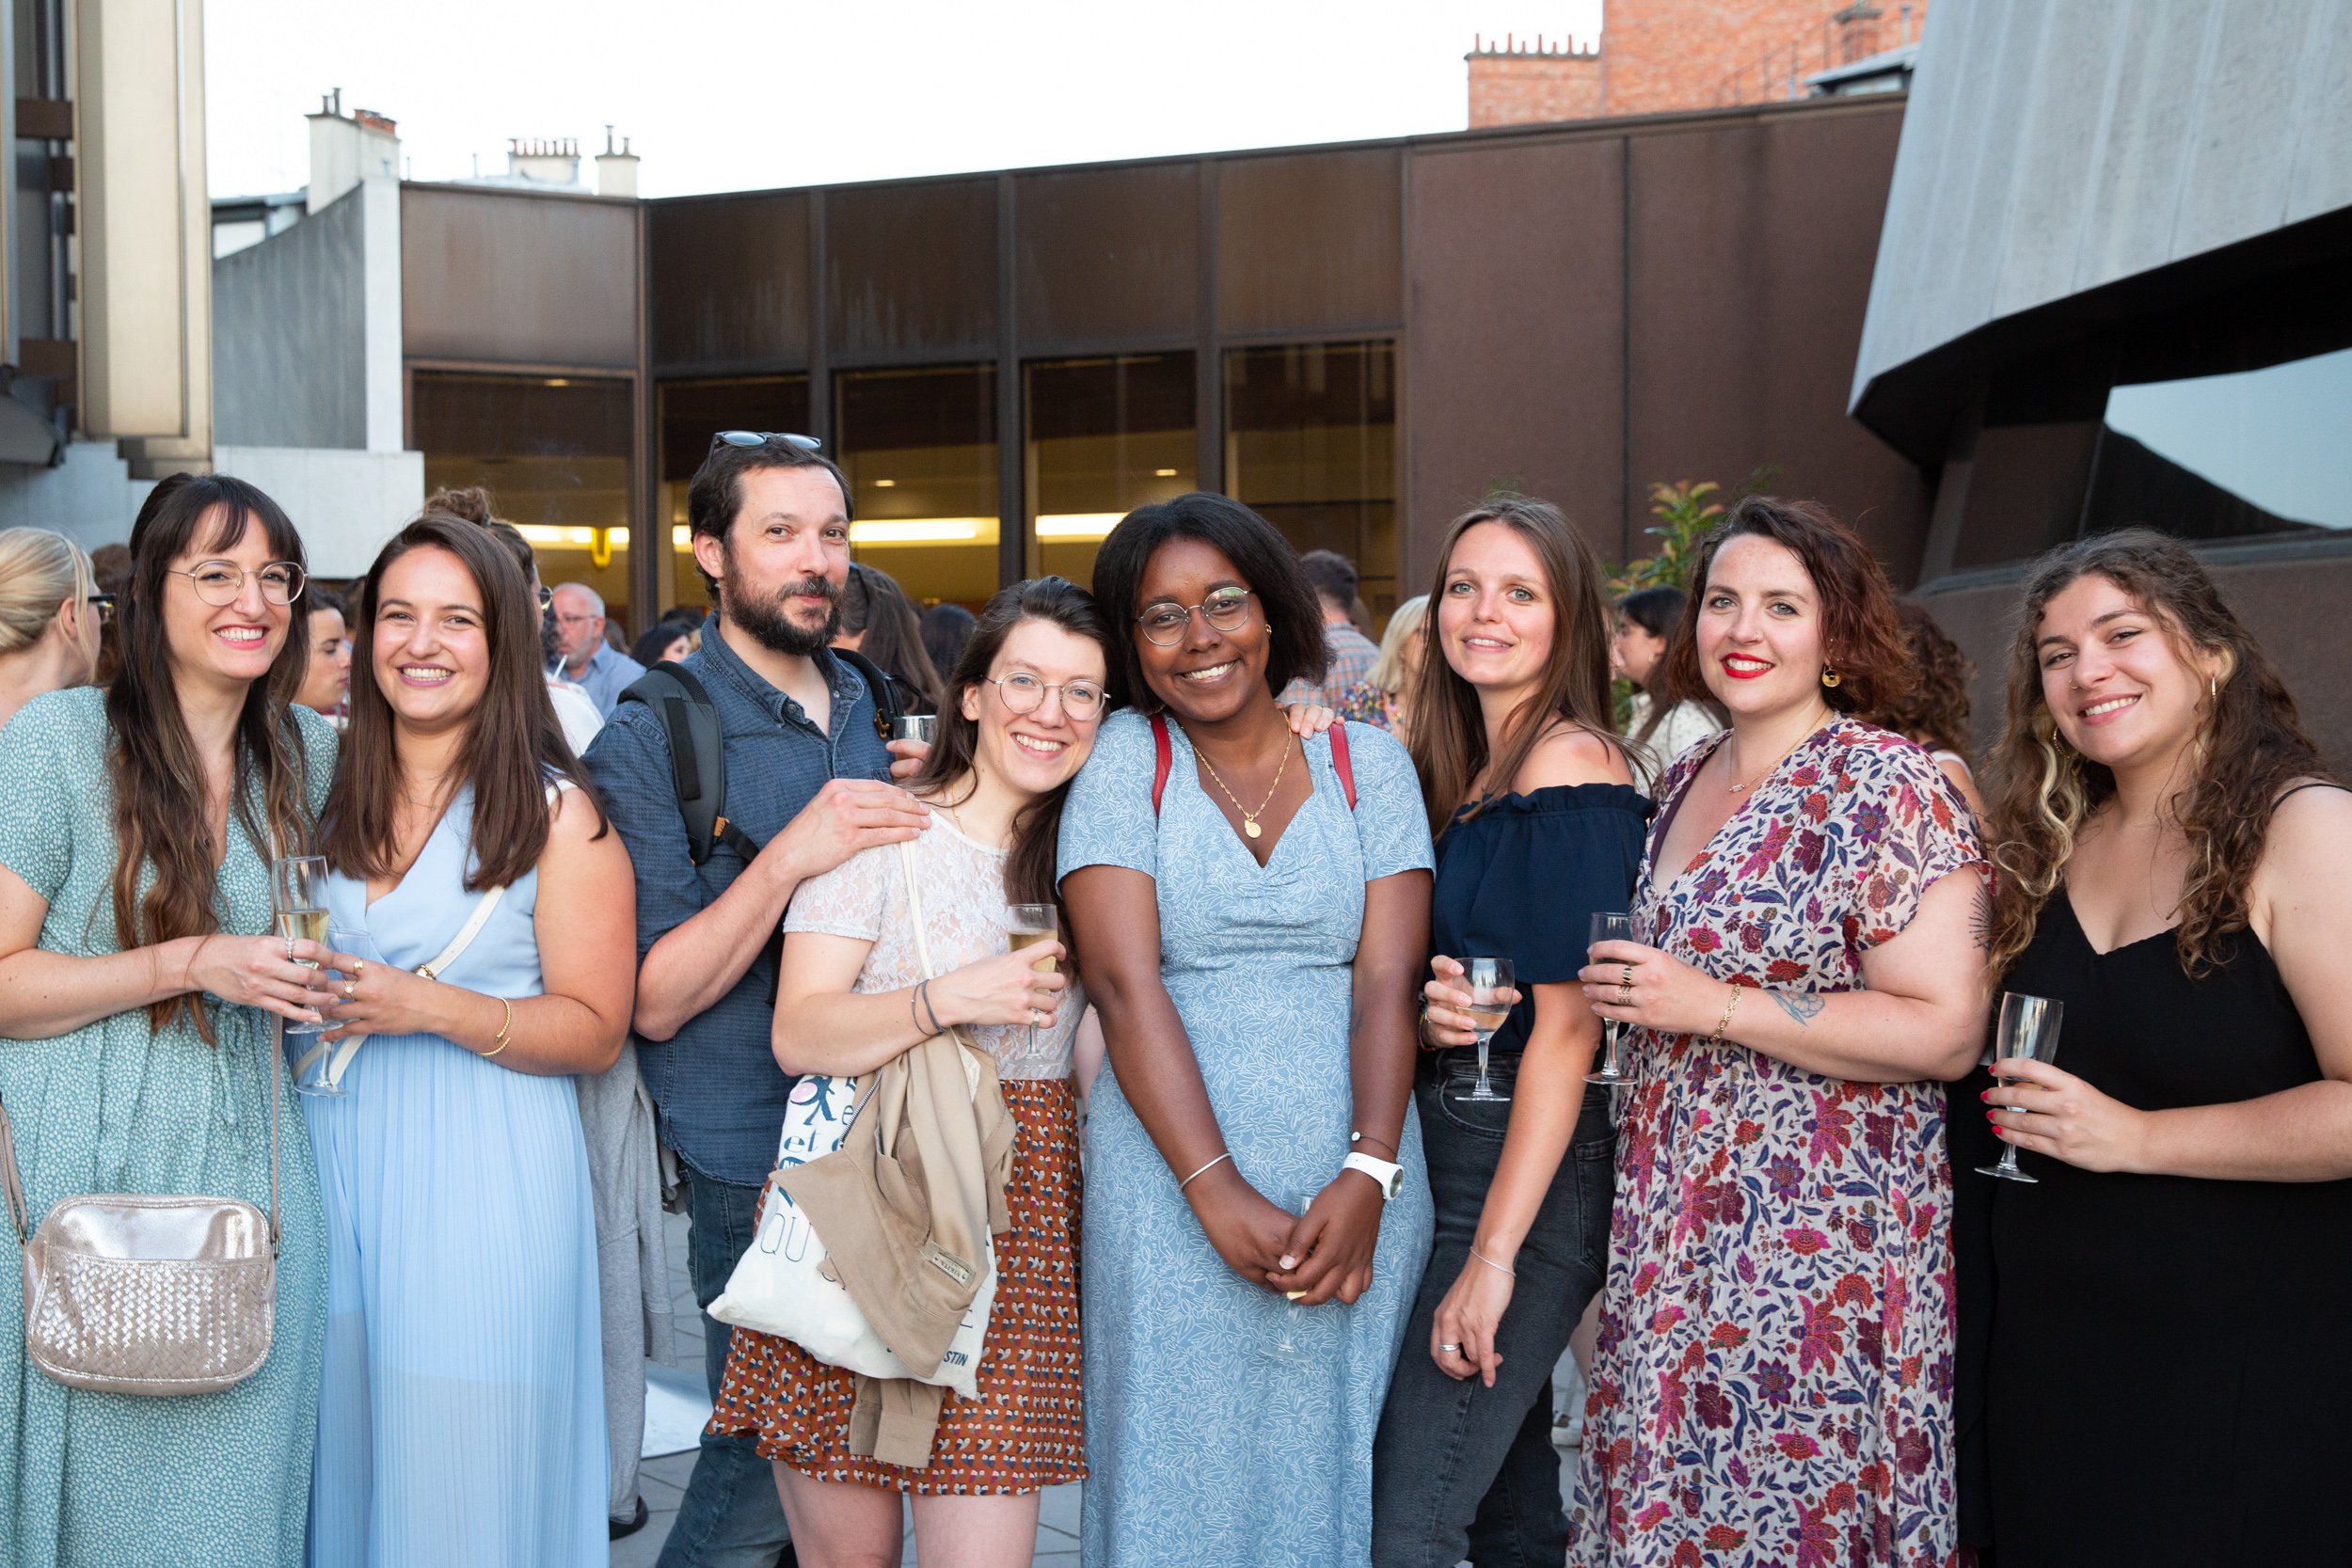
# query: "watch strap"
1391,1177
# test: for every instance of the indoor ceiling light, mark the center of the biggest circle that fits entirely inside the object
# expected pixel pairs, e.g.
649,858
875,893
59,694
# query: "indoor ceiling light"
924,530
1076,525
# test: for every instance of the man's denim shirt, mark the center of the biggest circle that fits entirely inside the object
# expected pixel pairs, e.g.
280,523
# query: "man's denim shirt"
716,1082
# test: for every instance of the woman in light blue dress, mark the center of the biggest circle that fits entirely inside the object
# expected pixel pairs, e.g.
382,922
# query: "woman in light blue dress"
136,1054
1230,931
461,1419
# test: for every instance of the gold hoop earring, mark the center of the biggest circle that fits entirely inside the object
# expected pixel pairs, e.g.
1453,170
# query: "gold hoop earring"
1831,678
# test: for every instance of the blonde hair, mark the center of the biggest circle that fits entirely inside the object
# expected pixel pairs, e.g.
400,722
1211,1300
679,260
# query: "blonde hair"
39,571
1387,672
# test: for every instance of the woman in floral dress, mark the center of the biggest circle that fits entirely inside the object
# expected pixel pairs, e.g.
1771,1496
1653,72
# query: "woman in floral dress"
1773,1382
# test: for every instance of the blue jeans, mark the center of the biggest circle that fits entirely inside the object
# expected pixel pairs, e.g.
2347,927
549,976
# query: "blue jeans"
731,1516
1458,1469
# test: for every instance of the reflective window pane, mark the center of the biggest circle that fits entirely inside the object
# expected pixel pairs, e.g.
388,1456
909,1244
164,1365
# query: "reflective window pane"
919,447
2229,456
1106,436
554,454
1311,446
690,412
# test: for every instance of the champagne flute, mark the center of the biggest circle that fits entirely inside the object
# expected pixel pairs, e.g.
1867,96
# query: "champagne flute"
1616,925
320,1070
1029,924
2028,1032
297,896
1287,1343
1490,1003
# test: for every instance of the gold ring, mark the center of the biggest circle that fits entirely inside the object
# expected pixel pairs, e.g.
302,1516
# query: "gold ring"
351,990
358,968
1625,996
1627,981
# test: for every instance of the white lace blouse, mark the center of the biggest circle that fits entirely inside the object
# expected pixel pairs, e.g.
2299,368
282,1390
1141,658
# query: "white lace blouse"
967,919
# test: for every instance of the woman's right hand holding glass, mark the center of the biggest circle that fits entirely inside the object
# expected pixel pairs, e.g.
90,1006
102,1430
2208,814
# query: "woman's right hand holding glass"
1443,999
1006,990
261,972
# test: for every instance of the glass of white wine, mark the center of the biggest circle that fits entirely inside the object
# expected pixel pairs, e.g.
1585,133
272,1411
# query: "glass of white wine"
1287,1340
1029,924
1489,981
297,897
1613,926
2029,1033
320,1070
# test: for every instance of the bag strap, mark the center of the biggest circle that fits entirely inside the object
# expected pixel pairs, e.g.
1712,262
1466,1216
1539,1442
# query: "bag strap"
885,691
11,1186
698,757
1164,757
484,907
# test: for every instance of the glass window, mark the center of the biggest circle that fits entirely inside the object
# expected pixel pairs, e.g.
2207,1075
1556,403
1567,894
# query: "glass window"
1106,436
554,454
1311,446
2230,456
919,447
691,413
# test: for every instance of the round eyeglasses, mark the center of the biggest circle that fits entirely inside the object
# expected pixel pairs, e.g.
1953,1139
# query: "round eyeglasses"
1226,609
749,438
219,582
1026,693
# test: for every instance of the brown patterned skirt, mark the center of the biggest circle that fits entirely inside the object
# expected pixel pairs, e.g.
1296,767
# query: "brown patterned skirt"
1026,1429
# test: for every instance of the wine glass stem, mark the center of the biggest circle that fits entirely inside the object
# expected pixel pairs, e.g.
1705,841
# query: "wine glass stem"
1484,1085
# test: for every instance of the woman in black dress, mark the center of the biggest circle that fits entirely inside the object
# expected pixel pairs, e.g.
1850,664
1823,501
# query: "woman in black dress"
2152,1359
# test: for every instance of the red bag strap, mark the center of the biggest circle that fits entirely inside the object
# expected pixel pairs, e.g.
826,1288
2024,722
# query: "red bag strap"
1341,764
1162,757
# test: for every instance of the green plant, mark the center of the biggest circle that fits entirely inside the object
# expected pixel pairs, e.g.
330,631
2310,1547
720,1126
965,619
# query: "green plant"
1685,513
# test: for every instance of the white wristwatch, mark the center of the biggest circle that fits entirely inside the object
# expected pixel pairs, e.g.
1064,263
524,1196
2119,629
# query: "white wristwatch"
1391,1177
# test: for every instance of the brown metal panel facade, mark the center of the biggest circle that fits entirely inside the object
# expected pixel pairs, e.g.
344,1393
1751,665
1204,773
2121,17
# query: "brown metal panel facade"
1750,249
1309,242
911,270
1108,255
729,283
505,277
1513,375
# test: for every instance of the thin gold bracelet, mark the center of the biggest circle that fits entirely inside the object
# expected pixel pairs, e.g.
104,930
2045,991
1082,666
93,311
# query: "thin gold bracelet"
500,1041
1724,1023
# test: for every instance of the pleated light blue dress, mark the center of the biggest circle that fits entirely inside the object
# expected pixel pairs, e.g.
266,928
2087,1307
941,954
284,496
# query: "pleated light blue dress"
461,1416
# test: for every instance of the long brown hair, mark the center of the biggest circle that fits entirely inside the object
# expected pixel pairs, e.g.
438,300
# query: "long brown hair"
873,602
1037,830
514,746
159,784
2249,747
1860,639
1932,706
1448,738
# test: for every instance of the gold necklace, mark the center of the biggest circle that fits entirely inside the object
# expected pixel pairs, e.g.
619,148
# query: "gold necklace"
1733,782
1248,817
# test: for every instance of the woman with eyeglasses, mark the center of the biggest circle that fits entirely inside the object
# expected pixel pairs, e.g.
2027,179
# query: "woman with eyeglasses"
1252,908
852,994
139,979
50,612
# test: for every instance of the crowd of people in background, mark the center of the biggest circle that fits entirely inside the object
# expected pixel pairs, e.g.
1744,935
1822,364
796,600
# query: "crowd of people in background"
1280,1041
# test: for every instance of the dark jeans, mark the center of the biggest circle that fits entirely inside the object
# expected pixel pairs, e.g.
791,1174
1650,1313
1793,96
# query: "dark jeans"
730,1516
1461,1470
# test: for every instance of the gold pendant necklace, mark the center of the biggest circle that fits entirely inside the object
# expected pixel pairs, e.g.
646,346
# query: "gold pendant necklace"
1733,782
1248,817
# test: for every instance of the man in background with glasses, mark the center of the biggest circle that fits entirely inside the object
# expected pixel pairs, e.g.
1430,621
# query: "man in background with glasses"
770,519
590,662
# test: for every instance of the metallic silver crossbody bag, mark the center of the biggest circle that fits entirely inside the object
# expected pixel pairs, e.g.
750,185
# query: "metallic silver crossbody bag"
127,1294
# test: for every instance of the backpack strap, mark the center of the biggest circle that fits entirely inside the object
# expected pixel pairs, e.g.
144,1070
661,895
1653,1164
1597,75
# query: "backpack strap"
698,758
1163,759
1341,762
887,704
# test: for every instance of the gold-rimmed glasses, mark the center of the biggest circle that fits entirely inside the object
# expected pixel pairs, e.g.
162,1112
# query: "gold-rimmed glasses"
1164,623
1022,692
219,582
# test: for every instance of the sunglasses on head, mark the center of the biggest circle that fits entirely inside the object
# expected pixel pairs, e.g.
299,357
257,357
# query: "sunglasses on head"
749,438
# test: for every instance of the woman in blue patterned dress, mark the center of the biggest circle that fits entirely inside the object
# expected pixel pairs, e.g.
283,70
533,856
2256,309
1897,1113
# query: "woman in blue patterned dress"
1773,1380
461,1417
137,985
1251,945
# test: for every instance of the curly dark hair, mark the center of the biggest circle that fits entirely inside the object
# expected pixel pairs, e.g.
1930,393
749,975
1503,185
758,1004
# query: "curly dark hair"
2251,746
1859,636
1932,706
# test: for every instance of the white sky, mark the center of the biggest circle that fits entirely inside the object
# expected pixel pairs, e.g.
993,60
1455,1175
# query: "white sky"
747,94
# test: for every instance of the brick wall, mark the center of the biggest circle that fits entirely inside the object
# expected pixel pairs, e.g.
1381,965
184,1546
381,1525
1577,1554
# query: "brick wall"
1530,89
1661,55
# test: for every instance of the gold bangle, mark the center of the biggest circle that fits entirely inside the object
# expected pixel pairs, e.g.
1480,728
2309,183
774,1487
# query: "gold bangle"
1724,1023
500,1041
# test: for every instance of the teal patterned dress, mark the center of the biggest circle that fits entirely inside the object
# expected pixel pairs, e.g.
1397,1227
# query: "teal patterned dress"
98,1480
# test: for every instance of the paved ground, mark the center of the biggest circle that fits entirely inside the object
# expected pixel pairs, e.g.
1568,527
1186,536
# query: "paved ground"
664,1479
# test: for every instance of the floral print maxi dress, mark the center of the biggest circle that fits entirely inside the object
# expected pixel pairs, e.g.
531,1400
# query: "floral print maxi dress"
1774,1378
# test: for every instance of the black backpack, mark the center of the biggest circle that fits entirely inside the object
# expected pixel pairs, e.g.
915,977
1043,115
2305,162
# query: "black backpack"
698,765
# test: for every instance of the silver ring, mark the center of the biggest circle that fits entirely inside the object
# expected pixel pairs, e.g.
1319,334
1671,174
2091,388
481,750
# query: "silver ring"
1451,1350
290,941
1034,1016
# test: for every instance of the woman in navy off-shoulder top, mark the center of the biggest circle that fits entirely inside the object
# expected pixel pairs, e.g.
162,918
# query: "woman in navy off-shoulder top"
1539,828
